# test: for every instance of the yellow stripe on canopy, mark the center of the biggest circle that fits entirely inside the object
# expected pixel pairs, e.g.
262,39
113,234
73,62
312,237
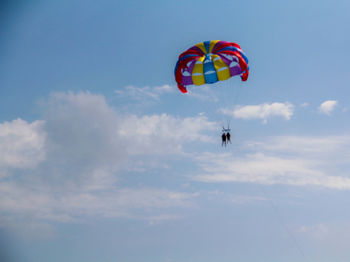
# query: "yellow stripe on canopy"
212,44
221,68
198,72
202,47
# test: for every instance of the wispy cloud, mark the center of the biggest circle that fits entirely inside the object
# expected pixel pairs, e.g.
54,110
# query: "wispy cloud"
164,133
204,93
297,161
146,92
328,106
39,203
318,231
262,111
305,104
329,232
310,146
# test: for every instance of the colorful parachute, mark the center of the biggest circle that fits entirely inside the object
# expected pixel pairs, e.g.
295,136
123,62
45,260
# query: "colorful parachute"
209,62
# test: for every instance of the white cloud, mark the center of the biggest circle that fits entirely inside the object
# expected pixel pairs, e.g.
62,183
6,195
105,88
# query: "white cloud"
319,231
297,161
140,93
306,145
331,233
262,111
164,133
328,106
85,135
21,144
79,152
257,168
83,128
204,93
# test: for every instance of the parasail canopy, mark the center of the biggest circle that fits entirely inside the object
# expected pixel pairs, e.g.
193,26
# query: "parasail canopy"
209,62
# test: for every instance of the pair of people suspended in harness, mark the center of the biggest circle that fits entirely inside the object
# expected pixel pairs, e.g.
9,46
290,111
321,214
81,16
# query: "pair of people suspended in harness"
226,136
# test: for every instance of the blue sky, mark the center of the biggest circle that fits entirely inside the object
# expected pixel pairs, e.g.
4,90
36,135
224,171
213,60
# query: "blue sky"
102,158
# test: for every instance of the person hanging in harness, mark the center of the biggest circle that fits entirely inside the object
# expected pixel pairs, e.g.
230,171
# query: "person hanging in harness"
223,137
228,137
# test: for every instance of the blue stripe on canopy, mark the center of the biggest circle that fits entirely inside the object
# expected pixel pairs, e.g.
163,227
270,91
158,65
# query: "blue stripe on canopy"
209,71
207,45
